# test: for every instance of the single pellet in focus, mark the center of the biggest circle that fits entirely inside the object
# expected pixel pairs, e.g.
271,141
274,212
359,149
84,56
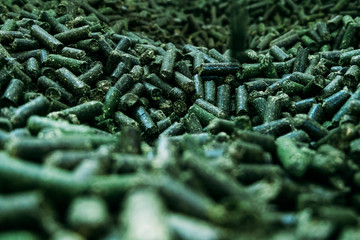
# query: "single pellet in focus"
71,82
39,105
13,93
46,39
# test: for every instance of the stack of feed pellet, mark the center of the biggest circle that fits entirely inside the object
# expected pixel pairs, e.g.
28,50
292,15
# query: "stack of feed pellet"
111,130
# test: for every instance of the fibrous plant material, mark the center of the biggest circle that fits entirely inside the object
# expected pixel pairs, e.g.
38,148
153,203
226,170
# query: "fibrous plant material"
131,120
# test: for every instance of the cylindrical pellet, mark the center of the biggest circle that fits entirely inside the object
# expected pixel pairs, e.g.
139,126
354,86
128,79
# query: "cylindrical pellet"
39,106
241,101
83,112
145,121
210,91
71,82
46,39
73,35
223,97
292,158
92,75
184,82
74,65
168,63
13,93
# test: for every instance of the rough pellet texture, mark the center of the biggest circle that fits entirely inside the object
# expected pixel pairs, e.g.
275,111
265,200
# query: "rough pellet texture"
132,120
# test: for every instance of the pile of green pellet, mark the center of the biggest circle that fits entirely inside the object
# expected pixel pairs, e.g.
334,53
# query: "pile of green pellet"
111,130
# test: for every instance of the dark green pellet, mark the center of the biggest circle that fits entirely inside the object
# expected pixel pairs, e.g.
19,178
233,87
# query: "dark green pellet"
124,83
138,89
157,114
119,70
39,106
46,39
168,63
184,82
279,54
217,55
276,127
177,128
223,97
90,45
286,41
145,121
192,123
314,86
244,152
23,44
93,225
128,101
13,93
199,86
241,101
354,107
112,98
345,108
332,103
349,35
153,92
74,65
334,86
183,67
210,91
33,68
124,120
216,111
83,112
267,66
92,75
20,74
310,43
71,82
314,129
73,53
113,58
73,35
352,76
304,105
301,59
54,23
218,69
221,125
180,107
274,106
45,83
260,107
204,116
9,25
156,81
259,84
346,56
163,124
250,70
123,44
198,61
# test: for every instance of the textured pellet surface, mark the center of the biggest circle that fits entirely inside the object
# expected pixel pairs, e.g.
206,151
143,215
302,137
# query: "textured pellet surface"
132,120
